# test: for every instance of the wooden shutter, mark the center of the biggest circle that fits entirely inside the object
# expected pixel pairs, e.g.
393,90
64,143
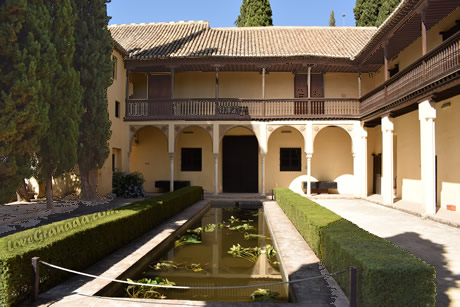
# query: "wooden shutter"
317,87
159,87
300,86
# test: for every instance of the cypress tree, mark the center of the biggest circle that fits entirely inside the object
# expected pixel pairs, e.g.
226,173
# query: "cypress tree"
366,12
373,12
58,147
255,13
386,9
332,19
92,59
26,67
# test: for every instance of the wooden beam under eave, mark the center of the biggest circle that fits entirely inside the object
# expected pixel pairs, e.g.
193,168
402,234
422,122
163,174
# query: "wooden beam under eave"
385,61
423,28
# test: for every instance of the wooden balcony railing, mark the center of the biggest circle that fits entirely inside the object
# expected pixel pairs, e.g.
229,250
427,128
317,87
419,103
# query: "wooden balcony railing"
240,109
435,65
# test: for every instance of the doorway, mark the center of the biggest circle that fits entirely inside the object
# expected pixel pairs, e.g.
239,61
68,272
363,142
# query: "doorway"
240,167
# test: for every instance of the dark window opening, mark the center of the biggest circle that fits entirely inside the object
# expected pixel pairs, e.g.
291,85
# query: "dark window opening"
113,162
394,70
191,160
451,31
290,160
117,109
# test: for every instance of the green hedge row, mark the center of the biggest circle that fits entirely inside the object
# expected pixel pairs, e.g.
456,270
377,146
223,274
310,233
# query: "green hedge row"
387,274
79,242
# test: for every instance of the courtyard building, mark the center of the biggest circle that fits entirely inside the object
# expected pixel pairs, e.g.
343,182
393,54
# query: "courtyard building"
350,110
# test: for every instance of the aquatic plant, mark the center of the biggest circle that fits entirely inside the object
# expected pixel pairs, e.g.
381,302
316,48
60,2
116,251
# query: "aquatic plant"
194,267
187,239
233,219
264,295
248,253
165,265
136,291
250,236
243,228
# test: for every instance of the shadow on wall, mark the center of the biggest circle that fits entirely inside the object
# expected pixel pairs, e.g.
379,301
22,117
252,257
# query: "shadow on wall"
433,254
67,184
345,184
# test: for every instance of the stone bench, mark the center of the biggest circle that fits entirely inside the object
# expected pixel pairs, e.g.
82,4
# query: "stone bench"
320,186
164,185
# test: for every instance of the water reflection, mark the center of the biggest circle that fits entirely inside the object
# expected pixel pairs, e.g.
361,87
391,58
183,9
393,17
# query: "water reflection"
228,247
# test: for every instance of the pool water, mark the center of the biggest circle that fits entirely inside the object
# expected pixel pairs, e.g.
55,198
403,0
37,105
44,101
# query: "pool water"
229,246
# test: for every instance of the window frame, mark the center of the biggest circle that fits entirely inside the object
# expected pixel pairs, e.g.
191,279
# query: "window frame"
293,156
193,163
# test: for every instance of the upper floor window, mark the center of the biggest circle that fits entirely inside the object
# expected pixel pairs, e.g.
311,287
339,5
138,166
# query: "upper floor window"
115,64
117,109
159,87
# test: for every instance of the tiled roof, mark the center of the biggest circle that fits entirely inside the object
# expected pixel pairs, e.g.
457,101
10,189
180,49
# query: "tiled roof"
197,39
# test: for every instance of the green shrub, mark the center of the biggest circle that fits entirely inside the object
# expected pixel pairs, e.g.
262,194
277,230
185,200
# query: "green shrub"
128,185
79,242
387,274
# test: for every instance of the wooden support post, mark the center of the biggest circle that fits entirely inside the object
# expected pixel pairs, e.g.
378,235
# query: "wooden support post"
359,85
263,82
173,73
385,59
217,82
423,26
35,278
353,287
309,83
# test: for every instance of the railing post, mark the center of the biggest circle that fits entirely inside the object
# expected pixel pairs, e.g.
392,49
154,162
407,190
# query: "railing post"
35,278
353,287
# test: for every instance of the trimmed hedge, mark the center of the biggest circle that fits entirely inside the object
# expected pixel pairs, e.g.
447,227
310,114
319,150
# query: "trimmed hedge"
79,242
387,274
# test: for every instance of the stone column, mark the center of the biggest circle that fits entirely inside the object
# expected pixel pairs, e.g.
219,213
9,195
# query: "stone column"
262,167
364,162
216,173
427,116
360,160
171,180
387,160
309,155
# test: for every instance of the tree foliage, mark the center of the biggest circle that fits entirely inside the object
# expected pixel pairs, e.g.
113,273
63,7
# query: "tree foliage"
26,68
92,59
255,13
58,146
373,12
332,19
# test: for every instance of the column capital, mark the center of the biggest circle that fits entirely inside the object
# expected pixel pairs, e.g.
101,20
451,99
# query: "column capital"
426,110
309,155
216,155
387,124
171,155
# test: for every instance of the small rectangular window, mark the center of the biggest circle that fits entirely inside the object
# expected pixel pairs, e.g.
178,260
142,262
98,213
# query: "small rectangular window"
290,160
117,109
191,160
114,71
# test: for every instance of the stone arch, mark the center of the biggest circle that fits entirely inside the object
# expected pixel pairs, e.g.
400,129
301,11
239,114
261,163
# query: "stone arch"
285,136
299,128
195,136
332,158
224,129
317,128
149,155
133,129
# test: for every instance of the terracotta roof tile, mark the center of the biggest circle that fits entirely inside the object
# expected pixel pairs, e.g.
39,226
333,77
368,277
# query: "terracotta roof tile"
197,39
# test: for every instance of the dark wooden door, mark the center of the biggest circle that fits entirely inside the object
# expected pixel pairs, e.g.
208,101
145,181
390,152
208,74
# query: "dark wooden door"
301,86
159,87
240,167
377,171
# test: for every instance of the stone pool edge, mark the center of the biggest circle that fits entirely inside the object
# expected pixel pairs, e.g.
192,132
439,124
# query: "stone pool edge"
294,253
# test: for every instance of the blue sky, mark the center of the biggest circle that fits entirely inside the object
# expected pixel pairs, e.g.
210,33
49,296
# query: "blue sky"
222,13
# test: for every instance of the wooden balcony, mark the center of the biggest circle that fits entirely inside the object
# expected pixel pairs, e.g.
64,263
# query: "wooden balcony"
424,76
240,109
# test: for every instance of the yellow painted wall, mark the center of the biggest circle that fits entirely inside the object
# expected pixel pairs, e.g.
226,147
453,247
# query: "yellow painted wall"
138,85
279,85
340,85
448,152
332,158
273,176
369,81
195,85
240,85
199,139
407,131
150,156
